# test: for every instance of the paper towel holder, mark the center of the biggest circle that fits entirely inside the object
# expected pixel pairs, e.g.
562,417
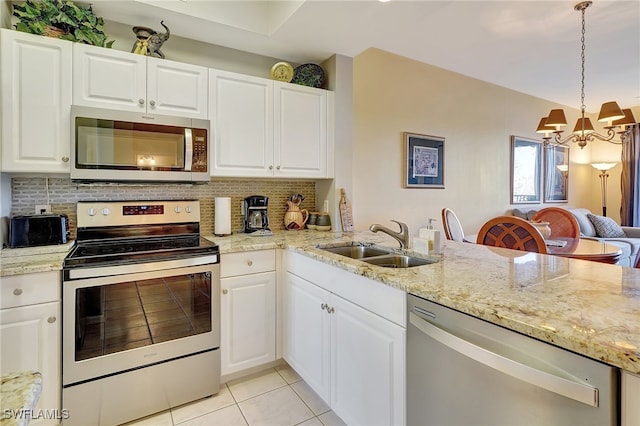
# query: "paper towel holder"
222,217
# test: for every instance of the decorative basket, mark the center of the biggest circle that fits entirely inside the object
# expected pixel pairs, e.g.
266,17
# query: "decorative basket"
51,31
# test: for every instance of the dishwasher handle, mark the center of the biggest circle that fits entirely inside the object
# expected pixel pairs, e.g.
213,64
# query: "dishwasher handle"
580,392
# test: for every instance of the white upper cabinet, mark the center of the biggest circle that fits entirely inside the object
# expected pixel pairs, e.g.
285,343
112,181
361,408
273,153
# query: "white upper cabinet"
241,113
300,131
106,78
264,128
36,102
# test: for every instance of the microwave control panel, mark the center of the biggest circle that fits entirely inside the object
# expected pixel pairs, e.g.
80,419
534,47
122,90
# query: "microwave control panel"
200,155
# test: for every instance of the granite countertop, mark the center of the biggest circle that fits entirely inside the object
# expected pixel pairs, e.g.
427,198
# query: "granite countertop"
587,307
19,392
28,260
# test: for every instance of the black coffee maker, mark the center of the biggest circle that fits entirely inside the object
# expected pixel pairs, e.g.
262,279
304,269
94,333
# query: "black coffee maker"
255,214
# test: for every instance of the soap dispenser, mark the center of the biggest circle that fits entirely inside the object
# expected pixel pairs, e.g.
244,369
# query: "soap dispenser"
432,237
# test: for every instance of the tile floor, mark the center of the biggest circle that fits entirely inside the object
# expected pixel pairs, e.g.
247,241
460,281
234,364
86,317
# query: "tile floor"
274,397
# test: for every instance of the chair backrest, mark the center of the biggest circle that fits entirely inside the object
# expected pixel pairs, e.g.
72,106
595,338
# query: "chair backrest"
452,227
512,232
562,222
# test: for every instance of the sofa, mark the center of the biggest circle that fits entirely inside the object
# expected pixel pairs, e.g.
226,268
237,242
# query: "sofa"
629,243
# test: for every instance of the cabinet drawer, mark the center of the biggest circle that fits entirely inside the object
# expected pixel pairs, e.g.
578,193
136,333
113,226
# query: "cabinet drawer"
29,289
248,262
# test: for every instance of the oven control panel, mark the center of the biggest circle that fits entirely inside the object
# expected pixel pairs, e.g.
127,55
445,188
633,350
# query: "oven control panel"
118,213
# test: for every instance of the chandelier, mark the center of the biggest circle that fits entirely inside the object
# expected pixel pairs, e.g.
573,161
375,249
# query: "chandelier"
617,120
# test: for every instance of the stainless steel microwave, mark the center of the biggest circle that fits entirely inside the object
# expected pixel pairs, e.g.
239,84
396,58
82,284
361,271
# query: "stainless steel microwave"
111,145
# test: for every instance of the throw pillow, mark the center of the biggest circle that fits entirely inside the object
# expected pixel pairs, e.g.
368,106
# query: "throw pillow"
606,227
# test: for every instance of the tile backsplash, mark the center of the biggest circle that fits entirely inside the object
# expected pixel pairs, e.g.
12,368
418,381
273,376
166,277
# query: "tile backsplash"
63,195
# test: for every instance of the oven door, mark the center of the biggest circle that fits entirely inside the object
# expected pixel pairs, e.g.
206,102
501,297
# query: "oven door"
120,322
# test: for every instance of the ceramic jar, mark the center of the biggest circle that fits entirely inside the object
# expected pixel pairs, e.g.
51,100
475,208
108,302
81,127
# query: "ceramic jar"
295,218
323,222
311,223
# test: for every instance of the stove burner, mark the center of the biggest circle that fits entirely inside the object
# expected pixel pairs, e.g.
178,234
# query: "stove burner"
123,250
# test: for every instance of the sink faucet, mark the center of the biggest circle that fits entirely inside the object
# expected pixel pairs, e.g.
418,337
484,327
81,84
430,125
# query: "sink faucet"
402,236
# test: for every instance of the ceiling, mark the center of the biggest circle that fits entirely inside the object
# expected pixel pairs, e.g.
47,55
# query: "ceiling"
529,46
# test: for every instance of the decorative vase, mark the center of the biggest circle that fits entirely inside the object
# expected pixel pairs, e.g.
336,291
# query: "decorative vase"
295,218
544,229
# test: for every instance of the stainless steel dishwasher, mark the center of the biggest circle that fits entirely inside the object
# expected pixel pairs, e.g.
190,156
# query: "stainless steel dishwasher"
465,371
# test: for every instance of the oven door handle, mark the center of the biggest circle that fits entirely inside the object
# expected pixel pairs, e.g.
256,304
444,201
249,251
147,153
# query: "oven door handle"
577,391
188,149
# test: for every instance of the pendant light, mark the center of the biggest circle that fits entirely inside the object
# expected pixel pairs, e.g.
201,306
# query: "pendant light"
583,132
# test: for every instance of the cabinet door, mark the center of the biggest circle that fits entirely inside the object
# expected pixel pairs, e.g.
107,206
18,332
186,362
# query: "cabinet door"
36,103
178,89
248,321
241,112
630,389
30,340
107,78
367,366
300,131
306,332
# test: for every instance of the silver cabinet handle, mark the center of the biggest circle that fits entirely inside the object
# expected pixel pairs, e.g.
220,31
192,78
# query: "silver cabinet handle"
324,306
51,320
65,159
141,101
249,262
225,291
271,167
577,391
17,291
278,168
330,310
152,103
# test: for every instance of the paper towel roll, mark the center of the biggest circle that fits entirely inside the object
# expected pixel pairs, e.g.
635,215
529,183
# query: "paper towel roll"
222,216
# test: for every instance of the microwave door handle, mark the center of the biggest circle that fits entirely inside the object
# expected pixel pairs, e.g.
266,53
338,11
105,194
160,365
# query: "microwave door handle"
580,392
188,149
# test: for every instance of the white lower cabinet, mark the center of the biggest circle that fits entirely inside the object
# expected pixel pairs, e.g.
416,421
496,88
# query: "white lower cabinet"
350,356
306,332
630,391
248,310
30,336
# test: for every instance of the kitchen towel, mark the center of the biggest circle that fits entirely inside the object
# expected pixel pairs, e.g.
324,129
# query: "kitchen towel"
222,216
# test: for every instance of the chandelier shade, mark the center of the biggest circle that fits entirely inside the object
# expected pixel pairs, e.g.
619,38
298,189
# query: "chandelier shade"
583,132
628,119
556,118
610,112
583,127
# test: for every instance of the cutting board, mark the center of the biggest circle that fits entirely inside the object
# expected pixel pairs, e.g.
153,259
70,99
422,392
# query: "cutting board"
346,217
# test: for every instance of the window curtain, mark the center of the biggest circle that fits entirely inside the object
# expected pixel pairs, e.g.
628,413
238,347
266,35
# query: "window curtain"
630,179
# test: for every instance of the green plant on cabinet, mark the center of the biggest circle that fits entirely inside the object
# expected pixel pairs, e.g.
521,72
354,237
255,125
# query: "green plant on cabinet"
61,19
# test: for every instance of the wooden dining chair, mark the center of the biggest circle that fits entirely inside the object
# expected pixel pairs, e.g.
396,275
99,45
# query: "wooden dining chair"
452,226
562,222
513,233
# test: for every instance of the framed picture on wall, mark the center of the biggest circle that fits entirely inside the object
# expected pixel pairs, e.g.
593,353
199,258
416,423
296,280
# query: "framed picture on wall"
556,174
423,157
526,170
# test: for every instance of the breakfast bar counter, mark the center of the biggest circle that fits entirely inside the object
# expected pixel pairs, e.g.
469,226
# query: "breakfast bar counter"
586,307
590,308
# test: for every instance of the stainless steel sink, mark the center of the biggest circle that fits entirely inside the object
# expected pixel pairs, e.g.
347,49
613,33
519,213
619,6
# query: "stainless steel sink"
357,251
397,261
375,255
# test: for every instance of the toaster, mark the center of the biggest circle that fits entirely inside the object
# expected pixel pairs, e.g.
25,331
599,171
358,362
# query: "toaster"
38,230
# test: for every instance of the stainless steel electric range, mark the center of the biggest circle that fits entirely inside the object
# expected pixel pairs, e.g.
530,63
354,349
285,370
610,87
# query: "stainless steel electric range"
141,311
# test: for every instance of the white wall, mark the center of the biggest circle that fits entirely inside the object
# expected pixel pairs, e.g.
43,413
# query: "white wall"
393,94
